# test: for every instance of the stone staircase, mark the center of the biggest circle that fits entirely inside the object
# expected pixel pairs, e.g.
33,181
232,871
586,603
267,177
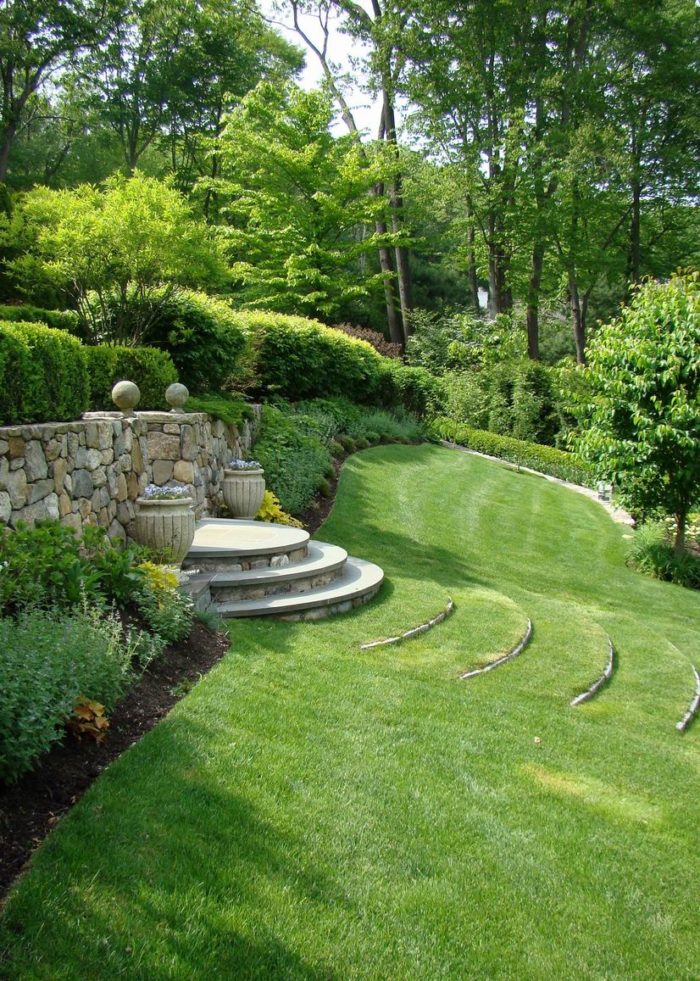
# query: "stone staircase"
253,568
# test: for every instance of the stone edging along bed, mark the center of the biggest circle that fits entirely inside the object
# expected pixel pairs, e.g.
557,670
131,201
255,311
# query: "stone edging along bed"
693,707
513,653
599,682
414,631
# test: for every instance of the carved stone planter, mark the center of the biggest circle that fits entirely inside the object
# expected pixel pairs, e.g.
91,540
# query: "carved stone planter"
165,526
243,492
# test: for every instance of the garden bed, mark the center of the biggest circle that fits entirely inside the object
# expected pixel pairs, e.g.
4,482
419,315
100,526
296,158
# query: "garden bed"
30,808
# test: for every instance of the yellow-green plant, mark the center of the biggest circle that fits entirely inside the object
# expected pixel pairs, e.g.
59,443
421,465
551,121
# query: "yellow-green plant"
271,510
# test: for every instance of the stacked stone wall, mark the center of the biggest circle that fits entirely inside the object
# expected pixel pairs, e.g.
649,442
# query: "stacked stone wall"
92,470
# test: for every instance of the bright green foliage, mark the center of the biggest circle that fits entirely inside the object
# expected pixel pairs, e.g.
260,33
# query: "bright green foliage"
166,611
652,552
413,389
545,459
642,427
298,358
117,242
46,564
152,370
200,333
440,342
60,319
516,398
47,659
231,409
296,199
43,374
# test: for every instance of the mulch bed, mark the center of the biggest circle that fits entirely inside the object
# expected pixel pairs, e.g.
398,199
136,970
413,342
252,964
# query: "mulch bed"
31,807
317,512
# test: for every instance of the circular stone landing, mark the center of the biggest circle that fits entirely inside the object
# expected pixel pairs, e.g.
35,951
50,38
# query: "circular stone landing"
229,536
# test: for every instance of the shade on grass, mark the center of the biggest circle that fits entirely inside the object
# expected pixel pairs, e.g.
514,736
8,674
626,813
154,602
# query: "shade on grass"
313,811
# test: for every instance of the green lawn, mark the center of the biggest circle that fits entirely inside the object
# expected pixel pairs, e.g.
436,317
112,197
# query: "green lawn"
312,811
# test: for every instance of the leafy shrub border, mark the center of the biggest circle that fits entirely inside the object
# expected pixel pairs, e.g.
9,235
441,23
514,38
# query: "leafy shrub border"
543,459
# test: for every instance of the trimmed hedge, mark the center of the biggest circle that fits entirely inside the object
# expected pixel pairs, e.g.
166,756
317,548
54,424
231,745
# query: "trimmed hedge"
202,336
297,358
546,459
43,374
59,319
152,370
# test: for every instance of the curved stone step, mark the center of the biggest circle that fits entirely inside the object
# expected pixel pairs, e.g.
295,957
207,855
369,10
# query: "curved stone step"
323,564
358,584
232,545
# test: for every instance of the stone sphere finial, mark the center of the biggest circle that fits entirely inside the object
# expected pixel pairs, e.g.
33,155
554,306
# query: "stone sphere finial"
125,396
176,395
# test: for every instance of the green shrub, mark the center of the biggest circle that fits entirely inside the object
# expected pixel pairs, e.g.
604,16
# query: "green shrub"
545,459
47,659
43,374
297,358
59,319
513,398
295,463
202,336
652,553
335,448
410,388
48,565
378,423
231,409
152,370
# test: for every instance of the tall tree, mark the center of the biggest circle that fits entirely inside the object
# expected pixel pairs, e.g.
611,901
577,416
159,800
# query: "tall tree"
38,38
295,200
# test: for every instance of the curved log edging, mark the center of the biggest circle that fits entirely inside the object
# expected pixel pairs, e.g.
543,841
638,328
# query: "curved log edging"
421,629
518,649
693,707
599,682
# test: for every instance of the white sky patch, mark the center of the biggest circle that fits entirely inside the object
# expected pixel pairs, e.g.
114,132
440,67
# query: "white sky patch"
343,52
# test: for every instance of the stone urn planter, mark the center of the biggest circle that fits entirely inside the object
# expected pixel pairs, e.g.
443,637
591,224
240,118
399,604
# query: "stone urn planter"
243,488
165,521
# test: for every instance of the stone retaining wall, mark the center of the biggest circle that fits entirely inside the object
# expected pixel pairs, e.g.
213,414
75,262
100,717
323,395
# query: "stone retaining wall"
92,470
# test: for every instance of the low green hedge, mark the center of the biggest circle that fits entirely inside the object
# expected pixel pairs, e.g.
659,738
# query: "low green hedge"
59,319
545,459
43,374
298,358
152,370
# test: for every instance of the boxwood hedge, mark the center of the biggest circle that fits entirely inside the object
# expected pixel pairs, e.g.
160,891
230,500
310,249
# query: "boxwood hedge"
545,459
298,358
152,370
43,374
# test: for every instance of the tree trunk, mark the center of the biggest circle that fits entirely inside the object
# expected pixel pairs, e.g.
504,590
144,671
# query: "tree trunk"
533,301
679,541
403,269
577,320
635,256
8,135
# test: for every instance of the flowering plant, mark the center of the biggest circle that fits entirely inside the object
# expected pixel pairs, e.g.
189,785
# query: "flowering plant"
168,492
238,464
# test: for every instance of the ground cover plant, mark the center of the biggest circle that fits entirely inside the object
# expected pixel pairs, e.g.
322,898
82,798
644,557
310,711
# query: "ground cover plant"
81,618
309,810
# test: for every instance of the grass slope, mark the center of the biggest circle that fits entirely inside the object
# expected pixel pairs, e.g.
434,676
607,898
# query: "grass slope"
316,812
